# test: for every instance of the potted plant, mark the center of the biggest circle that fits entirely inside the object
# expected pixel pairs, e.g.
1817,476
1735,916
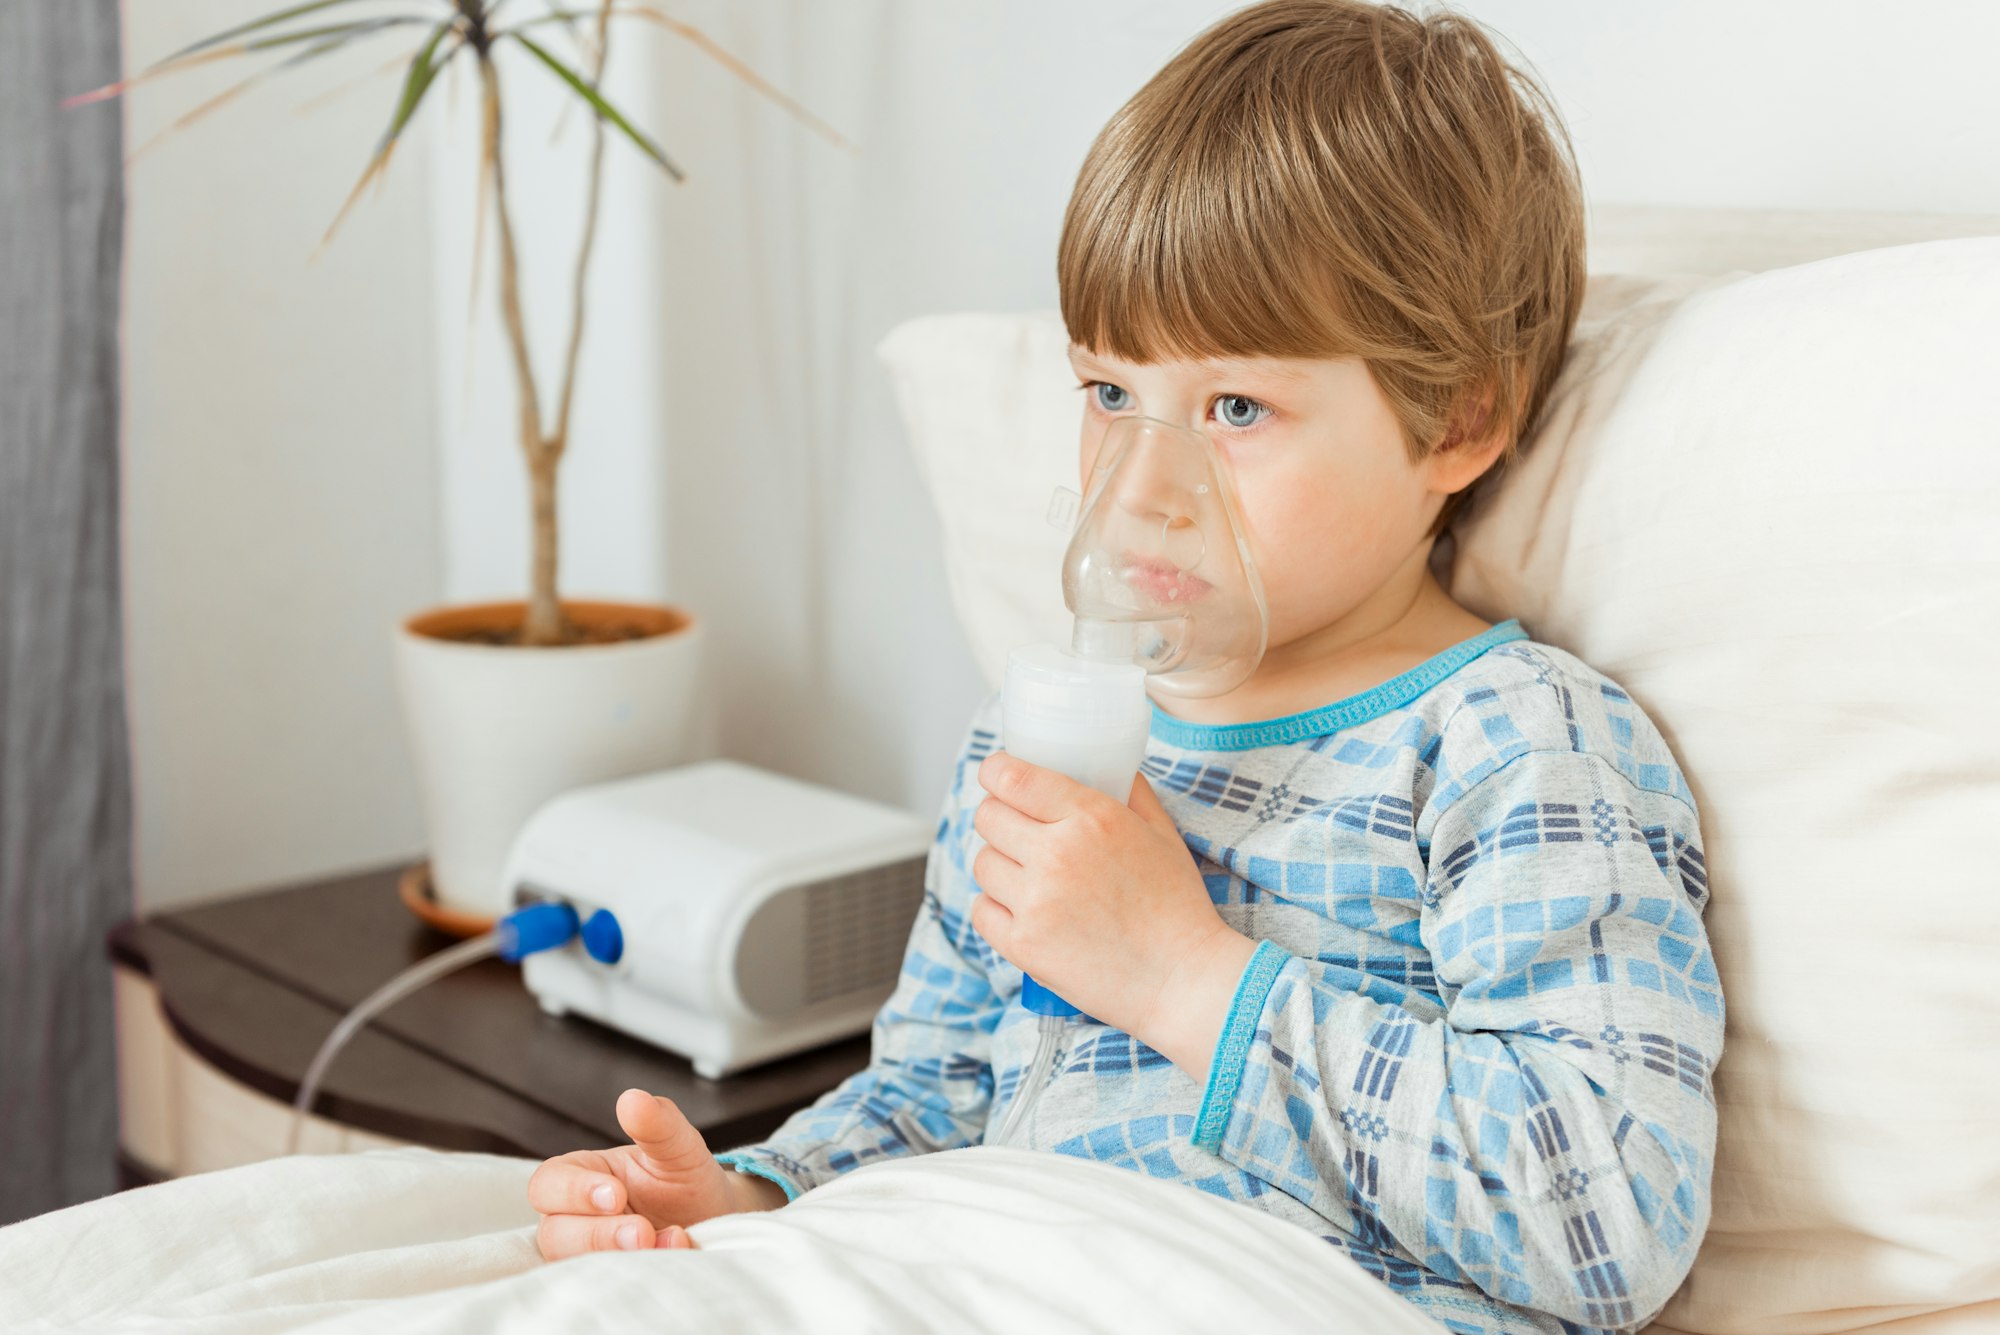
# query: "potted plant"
508,703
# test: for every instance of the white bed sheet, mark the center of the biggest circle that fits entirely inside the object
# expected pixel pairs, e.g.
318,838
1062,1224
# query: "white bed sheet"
982,1239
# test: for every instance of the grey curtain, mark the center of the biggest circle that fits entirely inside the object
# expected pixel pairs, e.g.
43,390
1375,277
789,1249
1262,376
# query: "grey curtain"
65,803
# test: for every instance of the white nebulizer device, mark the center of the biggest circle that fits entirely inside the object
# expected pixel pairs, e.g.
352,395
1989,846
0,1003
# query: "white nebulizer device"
1165,597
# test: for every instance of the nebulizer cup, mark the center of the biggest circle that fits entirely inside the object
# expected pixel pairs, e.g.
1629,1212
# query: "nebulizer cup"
1165,598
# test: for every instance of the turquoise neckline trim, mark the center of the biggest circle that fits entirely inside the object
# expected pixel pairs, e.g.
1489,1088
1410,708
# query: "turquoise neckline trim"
1391,694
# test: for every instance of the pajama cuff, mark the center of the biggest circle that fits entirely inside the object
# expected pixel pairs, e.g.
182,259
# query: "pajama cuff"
1232,1047
746,1161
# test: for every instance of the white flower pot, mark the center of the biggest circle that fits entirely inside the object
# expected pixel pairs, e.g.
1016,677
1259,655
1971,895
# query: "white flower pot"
496,729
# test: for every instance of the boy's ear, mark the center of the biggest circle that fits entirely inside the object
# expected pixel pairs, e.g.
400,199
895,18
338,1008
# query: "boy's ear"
1468,448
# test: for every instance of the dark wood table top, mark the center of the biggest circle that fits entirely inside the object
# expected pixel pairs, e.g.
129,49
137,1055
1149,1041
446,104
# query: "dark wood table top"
470,1062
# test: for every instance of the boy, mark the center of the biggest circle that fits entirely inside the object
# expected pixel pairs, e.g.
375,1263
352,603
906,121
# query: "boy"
1401,939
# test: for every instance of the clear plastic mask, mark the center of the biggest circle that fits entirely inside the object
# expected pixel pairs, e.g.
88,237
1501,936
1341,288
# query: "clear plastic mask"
1158,572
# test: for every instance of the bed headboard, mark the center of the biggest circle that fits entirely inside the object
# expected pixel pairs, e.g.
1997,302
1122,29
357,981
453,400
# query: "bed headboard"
1642,239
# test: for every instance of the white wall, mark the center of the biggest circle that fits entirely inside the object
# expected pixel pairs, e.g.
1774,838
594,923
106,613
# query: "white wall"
280,494
737,447
1780,104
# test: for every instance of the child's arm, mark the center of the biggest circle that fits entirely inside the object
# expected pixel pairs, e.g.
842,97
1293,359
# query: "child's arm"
928,1084
1549,1137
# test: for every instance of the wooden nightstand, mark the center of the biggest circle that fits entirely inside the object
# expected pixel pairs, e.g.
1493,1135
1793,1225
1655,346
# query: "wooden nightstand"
220,1008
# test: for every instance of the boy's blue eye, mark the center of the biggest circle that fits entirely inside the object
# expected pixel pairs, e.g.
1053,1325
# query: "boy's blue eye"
1232,410
1240,411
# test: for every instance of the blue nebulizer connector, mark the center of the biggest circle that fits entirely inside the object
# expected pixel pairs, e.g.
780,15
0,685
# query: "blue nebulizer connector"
537,927
1044,1002
540,926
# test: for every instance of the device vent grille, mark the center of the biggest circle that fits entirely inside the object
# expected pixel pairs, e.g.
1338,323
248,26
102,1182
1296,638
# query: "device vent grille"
857,927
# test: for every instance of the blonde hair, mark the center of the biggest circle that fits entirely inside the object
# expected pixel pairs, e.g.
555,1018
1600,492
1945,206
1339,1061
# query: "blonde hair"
1326,178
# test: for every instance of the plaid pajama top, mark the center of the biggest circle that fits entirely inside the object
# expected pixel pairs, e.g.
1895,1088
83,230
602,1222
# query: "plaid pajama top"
1473,1049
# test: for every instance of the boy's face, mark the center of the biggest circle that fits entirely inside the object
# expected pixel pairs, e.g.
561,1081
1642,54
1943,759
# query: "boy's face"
1331,505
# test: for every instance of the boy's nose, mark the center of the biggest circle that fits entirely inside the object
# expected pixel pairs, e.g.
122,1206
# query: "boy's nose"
1148,493
1155,482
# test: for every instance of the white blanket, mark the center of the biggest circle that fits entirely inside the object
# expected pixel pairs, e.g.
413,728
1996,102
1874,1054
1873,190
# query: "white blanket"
412,1240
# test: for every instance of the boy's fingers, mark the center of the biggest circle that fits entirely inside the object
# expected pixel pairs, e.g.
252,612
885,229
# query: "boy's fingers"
1028,788
661,1131
675,1238
567,1188
565,1235
1004,828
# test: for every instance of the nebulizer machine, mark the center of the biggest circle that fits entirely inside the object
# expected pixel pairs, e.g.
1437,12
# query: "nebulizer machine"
1164,598
720,912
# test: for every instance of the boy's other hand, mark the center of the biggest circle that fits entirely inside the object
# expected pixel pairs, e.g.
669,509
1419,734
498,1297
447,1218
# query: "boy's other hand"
637,1196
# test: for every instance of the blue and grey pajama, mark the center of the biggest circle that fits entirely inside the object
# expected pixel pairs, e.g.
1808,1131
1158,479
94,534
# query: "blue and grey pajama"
1473,1049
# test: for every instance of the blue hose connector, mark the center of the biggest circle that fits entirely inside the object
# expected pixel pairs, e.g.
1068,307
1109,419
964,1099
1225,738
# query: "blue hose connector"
603,938
535,928
1044,1002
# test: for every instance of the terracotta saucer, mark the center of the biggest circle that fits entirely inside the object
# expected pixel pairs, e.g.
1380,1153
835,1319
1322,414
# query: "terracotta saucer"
420,898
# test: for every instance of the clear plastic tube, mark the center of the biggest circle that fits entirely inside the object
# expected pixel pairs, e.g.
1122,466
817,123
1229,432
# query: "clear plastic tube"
428,969
1049,1035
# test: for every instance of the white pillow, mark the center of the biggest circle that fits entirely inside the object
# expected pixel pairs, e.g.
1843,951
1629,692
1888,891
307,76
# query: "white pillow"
1771,511
993,413
1769,506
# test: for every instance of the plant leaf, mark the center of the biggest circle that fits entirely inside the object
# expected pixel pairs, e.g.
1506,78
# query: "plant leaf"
111,90
216,39
358,28
566,17
424,66
347,89
586,49
423,69
603,108
340,36
697,37
343,31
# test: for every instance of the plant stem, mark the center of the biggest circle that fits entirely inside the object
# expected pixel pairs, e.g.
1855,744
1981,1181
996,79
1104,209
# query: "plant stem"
545,624
561,435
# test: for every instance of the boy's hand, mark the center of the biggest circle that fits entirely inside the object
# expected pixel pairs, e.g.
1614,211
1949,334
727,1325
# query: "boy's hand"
1099,901
636,1196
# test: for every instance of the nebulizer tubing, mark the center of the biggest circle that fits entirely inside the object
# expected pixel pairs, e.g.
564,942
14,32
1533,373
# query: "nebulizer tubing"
1159,580
1049,1035
539,926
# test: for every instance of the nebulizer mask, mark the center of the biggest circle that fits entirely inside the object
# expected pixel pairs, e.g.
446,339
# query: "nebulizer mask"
1165,598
